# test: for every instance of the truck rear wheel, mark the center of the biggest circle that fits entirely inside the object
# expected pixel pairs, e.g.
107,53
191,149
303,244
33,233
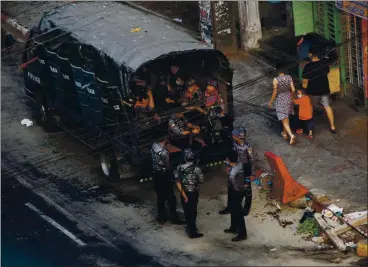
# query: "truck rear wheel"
109,166
44,116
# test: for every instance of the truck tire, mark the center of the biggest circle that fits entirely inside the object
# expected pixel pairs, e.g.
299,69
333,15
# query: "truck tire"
44,116
109,165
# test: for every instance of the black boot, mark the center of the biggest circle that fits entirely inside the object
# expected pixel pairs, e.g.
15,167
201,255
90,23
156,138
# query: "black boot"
239,238
231,231
161,220
176,220
195,235
224,211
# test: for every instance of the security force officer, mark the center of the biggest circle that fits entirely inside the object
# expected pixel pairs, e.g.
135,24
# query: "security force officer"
163,182
236,180
180,130
188,177
246,157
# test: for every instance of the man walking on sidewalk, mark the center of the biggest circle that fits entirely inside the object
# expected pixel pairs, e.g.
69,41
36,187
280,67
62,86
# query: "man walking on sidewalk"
315,73
236,180
163,181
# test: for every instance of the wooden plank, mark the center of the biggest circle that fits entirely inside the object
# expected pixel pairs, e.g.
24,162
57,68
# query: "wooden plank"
343,228
338,243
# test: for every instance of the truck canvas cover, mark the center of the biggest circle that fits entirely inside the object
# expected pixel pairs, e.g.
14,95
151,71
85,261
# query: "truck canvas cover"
109,27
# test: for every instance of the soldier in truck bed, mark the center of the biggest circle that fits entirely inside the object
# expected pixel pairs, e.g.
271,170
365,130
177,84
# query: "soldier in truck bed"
181,131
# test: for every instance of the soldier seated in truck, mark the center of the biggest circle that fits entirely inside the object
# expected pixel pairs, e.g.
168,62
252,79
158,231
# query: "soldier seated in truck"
213,102
181,132
144,105
192,94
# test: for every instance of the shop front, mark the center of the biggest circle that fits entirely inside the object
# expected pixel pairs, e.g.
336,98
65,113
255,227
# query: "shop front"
318,23
355,15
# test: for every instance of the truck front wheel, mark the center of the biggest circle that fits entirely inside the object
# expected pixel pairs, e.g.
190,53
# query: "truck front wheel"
109,166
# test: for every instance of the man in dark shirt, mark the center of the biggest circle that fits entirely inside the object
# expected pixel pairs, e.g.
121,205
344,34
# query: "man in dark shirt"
318,88
236,180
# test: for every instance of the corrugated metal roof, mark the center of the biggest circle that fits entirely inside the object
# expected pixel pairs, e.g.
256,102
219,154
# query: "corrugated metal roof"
107,26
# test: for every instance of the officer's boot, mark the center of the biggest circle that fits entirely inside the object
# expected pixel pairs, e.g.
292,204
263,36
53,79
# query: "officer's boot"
176,220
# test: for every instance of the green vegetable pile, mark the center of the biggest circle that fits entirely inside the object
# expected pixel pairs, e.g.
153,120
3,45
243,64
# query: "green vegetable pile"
309,226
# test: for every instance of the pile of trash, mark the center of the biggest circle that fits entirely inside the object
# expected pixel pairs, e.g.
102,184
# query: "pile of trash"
326,224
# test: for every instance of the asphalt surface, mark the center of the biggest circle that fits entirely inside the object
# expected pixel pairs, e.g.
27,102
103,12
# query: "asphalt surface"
35,234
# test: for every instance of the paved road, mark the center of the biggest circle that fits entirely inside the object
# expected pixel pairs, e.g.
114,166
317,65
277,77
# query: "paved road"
35,234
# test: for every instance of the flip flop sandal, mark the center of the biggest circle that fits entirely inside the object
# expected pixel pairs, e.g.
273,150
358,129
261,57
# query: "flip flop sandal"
299,132
292,140
284,135
310,137
333,131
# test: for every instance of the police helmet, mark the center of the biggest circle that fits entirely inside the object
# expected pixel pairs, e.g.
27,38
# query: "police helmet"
239,132
188,154
213,83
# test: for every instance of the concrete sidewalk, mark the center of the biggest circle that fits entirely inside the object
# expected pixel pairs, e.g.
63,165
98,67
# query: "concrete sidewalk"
335,163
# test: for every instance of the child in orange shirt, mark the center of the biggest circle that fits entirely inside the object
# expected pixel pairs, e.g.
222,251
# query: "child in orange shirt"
305,113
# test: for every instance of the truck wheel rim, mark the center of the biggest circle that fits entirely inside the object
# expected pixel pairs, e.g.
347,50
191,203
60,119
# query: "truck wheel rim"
105,165
43,113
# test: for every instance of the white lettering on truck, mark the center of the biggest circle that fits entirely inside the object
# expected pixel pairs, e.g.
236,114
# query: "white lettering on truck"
34,78
91,91
54,70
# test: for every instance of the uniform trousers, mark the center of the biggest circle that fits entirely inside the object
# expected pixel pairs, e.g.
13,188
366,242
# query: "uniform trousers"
190,210
165,192
237,217
247,192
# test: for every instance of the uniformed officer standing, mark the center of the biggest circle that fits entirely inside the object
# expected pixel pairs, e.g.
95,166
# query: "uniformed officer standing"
188,177
163,181
246,157
236,181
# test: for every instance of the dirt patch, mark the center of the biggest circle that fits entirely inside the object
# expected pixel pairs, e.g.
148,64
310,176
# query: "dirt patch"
276,216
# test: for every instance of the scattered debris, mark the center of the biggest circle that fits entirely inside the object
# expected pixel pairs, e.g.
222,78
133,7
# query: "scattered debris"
349,218
273,249
178,20
326,228
276,216
362,248
137,29
335,209
318,239
319,194
308,213
351,244
299,203
274,202
26,122
309,226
